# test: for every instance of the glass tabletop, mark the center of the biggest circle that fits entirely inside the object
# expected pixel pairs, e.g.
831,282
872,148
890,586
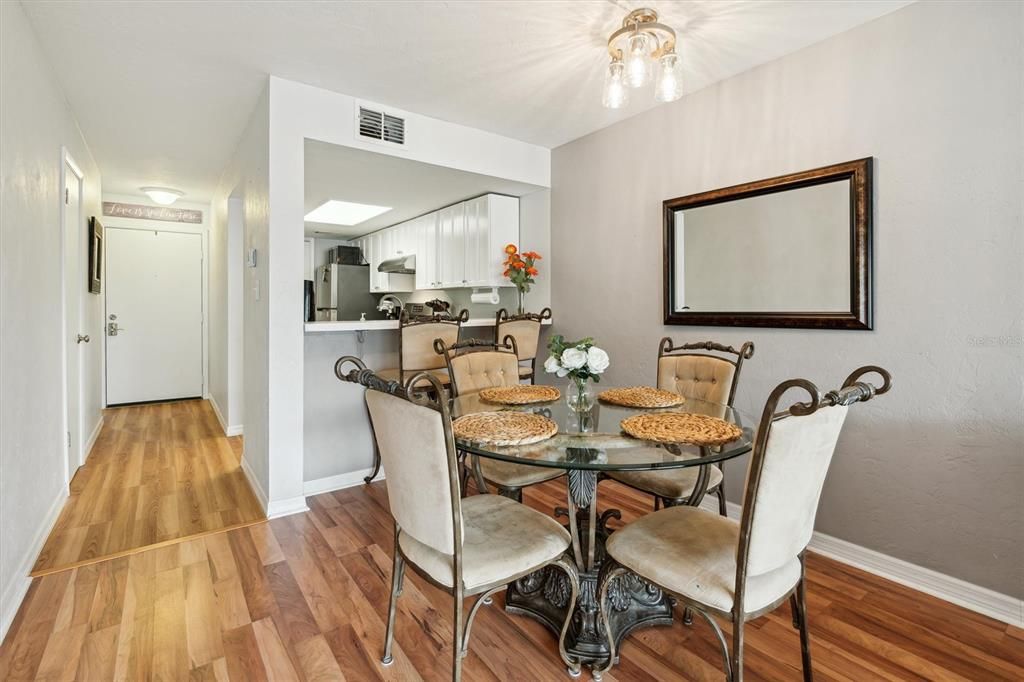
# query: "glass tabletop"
594,440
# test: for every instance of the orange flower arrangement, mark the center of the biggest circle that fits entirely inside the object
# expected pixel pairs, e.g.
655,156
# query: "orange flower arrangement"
520,268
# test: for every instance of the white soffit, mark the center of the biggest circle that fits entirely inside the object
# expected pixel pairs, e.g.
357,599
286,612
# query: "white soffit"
410,188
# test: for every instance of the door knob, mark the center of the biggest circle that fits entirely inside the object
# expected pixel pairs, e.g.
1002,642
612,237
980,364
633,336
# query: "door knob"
83,339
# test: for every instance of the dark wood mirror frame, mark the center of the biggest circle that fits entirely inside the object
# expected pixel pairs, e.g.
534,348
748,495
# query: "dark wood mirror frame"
860,314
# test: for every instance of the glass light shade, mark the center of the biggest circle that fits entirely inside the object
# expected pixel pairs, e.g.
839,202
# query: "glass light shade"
638,61
616,94
165,196
669,86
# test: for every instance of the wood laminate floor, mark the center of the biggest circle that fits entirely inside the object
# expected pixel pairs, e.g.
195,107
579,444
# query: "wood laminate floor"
305,598
157,473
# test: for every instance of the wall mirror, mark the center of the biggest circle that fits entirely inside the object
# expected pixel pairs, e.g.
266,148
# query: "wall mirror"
791,251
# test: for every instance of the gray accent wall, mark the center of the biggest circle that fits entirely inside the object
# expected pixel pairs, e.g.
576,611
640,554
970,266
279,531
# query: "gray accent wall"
933,472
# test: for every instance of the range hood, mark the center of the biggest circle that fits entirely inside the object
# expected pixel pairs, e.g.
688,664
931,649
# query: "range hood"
402,265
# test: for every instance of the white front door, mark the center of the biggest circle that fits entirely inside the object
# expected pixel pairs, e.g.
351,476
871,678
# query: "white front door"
154,315
74,278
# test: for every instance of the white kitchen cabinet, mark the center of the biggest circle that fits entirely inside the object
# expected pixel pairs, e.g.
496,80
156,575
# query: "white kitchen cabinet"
492,222
426,228
459,246
452,246
381,246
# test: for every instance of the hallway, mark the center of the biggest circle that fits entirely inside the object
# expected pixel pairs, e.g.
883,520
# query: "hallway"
158,473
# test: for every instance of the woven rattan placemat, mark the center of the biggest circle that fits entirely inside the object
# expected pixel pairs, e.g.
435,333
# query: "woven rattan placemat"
641,396
520,395
504,428
681,427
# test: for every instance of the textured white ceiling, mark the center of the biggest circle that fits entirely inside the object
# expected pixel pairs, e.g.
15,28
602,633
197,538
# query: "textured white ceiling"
163,89
410,188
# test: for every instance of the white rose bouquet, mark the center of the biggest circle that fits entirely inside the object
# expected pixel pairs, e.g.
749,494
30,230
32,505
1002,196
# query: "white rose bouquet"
580,360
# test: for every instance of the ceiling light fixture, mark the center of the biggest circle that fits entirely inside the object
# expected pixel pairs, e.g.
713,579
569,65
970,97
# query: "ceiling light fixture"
346,213
165,196
634,49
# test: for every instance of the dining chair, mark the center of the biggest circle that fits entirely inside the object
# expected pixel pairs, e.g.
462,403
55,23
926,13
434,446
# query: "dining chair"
416,346
693,371
474,546
740,570
473,365
525,329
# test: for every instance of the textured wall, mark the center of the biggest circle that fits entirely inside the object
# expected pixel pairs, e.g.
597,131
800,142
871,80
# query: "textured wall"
36,122
931,473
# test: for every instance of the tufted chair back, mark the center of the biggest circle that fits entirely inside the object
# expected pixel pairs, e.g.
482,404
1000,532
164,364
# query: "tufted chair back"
702,375
474,364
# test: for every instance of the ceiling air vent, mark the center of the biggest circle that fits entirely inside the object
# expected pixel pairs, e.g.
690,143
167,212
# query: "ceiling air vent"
377,125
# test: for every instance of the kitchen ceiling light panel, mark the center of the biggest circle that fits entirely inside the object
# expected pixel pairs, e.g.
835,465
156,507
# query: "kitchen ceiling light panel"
335,212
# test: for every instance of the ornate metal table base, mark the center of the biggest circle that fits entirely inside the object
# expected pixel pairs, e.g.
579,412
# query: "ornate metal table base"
634,603
544,595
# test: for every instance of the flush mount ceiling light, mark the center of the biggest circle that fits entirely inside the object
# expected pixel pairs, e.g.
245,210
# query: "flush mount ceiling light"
165,196
346,213
635,49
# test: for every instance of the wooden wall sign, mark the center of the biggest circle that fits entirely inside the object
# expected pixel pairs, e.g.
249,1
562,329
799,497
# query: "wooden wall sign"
117,209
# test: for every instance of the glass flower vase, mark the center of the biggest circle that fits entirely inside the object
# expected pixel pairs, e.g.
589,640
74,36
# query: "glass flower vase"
580,395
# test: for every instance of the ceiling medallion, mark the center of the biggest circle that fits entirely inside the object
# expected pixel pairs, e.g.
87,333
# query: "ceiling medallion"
635,48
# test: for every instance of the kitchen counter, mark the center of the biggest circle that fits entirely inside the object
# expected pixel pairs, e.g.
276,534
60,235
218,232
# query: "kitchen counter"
383,325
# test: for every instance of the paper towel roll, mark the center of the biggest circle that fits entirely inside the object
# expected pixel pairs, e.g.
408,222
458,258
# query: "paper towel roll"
486,297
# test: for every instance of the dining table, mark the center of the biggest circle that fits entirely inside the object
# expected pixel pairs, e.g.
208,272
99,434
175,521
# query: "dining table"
587,444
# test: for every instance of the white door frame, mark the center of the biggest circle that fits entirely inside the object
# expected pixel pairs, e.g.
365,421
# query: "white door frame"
204,235
67,161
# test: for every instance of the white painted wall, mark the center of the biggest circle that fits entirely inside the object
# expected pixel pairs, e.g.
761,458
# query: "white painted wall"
298,112
246,178
931,473
36,122
225,319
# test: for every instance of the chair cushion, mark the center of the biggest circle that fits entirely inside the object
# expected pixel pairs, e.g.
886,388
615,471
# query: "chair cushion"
675,484
501,539
692,553
525,372
392,375
509,475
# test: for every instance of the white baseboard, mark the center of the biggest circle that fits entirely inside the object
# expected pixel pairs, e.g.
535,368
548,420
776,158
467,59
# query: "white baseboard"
277,508
982,600
987,602
261,494
14,592
232,430
92,439
339,481
286,507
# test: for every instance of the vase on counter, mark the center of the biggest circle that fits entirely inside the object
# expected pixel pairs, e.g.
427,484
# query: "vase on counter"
520,305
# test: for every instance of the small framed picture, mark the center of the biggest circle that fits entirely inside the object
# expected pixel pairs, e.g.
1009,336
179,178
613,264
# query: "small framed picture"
95,256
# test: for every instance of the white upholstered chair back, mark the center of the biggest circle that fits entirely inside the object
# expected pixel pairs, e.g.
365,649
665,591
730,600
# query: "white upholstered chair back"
413,449
472,372
796,459
696,375
418,344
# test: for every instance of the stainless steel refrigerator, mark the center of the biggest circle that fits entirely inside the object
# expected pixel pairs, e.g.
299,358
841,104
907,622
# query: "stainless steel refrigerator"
343,293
